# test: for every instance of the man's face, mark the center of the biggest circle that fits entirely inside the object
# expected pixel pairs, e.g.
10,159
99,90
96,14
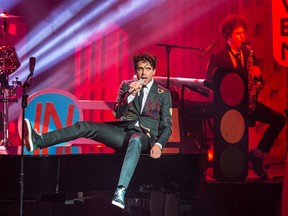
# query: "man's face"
238,36
144,71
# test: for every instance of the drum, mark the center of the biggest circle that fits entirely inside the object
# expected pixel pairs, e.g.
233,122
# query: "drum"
9,61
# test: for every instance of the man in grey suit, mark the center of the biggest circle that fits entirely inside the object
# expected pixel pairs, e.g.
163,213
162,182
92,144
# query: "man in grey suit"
145,110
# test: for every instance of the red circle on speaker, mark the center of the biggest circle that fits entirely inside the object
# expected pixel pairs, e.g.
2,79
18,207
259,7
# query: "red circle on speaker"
232,89
232,126
232,162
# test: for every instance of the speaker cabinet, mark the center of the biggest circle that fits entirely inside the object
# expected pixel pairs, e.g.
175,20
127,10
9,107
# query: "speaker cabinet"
230,124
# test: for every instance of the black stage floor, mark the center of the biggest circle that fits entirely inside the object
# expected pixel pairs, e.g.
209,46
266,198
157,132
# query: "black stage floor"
253,196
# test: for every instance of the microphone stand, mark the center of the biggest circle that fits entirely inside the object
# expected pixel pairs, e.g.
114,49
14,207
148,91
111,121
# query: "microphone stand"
25,86
167,51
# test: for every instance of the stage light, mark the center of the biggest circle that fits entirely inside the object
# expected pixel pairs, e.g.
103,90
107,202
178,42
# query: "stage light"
210,155
7,5
47,37
71,25
56,41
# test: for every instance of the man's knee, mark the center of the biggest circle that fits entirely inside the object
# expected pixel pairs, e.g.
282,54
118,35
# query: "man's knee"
84,128
139,141
80,125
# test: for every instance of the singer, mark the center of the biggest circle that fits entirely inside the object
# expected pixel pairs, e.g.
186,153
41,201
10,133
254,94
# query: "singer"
235,55
145,111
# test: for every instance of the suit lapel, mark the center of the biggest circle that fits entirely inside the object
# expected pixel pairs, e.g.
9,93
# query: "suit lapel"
228,62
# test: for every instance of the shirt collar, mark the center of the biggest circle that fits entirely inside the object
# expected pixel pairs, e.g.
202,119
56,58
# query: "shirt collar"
149,85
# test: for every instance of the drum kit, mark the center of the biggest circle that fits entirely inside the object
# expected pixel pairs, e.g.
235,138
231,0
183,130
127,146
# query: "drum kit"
9,63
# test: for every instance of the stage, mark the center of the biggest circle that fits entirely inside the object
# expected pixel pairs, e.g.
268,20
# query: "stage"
180,184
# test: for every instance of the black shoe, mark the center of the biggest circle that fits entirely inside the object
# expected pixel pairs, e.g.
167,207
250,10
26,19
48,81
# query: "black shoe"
119,197
32,139
257,164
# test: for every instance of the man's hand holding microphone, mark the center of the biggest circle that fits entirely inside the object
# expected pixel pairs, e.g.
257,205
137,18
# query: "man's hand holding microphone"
135,87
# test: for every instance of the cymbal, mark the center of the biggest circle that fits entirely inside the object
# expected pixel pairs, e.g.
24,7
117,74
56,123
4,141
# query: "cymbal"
5,15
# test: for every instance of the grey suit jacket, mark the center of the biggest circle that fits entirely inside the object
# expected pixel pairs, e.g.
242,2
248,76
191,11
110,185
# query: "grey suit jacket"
156,118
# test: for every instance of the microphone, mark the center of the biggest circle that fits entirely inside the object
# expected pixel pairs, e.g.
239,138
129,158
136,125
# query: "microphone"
208,48
140,81
28,81
32,62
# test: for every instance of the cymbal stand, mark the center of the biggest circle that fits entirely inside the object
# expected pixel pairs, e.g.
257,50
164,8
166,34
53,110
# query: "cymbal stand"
25,86
5,90
5,99
10,63
4,30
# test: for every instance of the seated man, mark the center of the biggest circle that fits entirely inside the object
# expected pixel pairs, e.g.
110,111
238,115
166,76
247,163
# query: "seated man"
145,109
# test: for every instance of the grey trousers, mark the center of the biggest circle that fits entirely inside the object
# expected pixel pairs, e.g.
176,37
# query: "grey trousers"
117,137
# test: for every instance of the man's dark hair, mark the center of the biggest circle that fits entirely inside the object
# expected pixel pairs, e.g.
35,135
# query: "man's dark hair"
230,23
144,57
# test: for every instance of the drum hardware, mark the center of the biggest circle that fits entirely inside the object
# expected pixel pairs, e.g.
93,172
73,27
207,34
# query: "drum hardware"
9,63
5,15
